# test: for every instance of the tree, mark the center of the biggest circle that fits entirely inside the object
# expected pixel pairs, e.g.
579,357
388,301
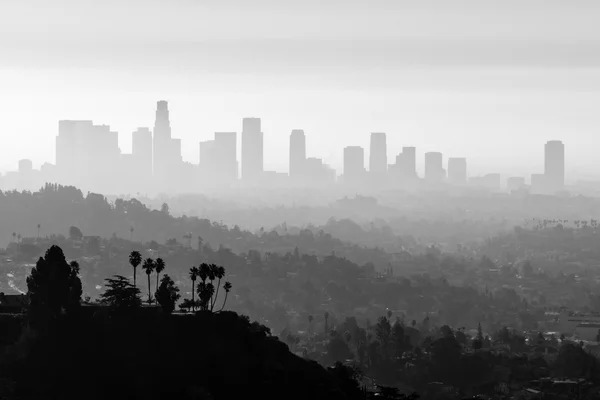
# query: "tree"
75,233
120,294
148,267
310,320
38,231
167,294
383,332
478,341
194,273
219,273
135,259
53,287
131,230
338,349
227,288
159,266
326,321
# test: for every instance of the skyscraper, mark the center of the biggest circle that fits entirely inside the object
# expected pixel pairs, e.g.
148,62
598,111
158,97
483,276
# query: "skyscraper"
141,148
457,171
297,154
378,153
354,164
252,149
225,160
554,165
434,171
167,151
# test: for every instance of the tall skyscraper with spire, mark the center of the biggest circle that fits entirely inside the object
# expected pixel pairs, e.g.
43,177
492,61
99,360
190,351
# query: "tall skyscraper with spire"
167,151
252,150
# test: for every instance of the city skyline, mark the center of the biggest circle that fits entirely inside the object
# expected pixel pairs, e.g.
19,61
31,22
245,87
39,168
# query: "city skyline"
451,78
89,154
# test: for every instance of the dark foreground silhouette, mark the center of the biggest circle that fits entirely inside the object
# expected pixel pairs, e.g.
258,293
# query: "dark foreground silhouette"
119,349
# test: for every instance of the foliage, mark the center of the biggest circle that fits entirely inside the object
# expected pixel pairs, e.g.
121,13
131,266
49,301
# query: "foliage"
167,294
120,294
53,286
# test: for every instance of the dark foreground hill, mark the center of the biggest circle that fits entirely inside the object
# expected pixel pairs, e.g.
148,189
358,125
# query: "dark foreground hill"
149,355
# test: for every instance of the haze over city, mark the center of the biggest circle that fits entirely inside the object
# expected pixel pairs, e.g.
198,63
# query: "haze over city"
481,80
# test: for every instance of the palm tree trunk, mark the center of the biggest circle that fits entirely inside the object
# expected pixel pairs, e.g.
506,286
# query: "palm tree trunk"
216,295
157,278
193,297
148,288
224,301
134,276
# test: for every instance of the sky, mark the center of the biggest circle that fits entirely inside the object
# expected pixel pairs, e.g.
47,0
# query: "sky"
488,80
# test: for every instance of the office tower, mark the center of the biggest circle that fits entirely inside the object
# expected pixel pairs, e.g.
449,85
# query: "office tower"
457,171
554,165
492,182
297,154
25,166
409,162
87,155
378,153
515,183
434,171
167,151
225,160
317,172
252,149
141,149
354,164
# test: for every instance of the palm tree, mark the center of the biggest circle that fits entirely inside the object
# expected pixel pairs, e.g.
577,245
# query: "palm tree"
131,234
159,266
219,274
227,288
135,259
14,235
194,272
149,268
310,320
38,227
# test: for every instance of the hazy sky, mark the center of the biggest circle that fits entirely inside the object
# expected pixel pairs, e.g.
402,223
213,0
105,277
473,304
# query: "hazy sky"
488,80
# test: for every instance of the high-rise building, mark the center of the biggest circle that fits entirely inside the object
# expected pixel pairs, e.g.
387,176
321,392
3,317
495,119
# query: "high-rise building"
354,164
297,155
25,166
225,157
457,171
167,151
252,149
434,171
141,149
554,165
409,162
378,153
87,155
207,161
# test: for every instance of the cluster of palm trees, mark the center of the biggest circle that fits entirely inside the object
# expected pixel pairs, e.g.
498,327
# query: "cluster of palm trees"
207,292
149,266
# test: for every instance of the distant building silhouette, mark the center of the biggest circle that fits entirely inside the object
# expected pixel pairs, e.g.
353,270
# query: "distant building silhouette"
297,155
167,151
378,153
225,156
457,171
87,155
252,150
515,183
539,184
554,165
434,170
354,164
141,149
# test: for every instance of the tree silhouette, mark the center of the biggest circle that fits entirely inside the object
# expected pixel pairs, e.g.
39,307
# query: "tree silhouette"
227,288
120,294
326,321
167,294
14,236
219,273
38,231
53,287
75,233
135,259
159,267
148,267
131,230
194,273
